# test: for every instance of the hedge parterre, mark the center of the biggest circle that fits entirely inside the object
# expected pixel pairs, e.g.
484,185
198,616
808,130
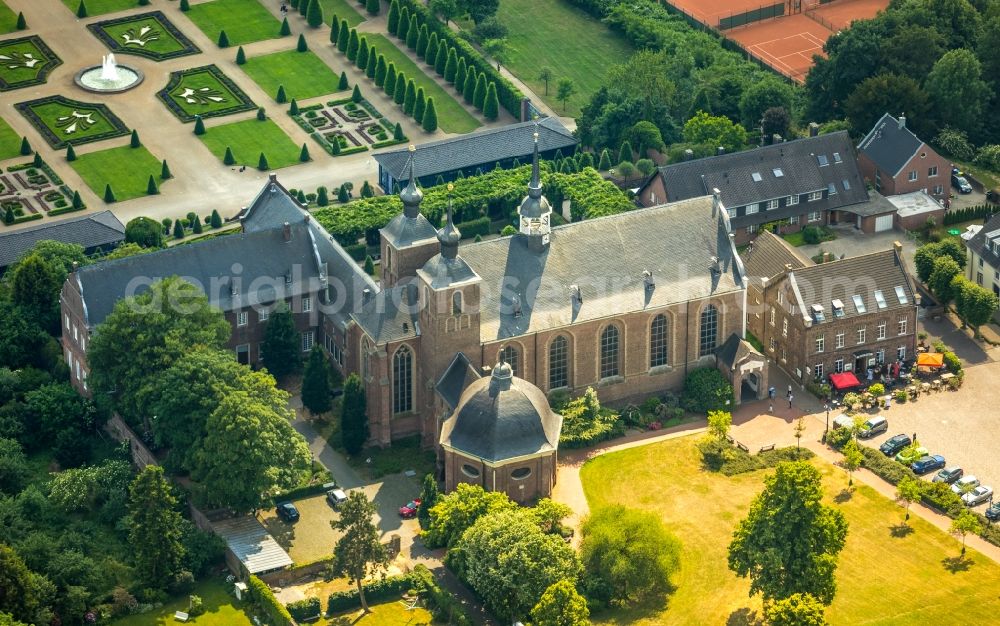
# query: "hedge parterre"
203,91
149,35
25,61
62,121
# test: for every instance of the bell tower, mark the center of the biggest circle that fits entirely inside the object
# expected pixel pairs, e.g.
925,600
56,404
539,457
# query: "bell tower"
535,211
409,240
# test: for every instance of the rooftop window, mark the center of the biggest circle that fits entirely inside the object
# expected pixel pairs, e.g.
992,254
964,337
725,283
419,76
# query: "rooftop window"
838,308
817,312
778,173
847,185
836,157
756,177
879,299
901,294
823,161
831,190
859,304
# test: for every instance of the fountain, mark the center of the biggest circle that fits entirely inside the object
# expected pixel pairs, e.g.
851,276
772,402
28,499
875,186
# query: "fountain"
108,77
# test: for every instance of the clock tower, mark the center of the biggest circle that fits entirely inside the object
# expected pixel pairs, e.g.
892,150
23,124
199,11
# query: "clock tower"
535,211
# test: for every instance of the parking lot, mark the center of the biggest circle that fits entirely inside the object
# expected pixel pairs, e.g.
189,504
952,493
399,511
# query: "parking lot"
961,426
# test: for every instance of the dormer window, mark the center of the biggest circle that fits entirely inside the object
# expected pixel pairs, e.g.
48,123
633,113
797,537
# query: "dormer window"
823,161
847,185
836,157
831,190
838,308
880,299
859,303
817,313
901,295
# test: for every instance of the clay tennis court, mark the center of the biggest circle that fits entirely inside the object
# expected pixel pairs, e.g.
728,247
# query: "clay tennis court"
709,12
787,44
838,15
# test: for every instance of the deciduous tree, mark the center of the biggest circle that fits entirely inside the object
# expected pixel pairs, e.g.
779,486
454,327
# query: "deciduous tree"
561,605
940,282
964,524
154,528
719,423
545,75
316,392
455,512
908,491
715,131
359,553
565,89
282,351
852,459
956,87
798,609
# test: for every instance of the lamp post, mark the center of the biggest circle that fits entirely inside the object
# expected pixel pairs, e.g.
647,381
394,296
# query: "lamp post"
826,407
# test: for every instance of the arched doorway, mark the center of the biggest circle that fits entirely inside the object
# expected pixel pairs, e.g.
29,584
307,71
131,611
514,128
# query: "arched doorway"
749,387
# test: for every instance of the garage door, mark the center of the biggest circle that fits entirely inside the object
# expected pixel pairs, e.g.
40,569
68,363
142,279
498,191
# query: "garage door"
883,223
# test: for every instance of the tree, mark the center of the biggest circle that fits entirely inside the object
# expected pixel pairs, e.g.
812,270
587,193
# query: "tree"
397,132
21,22
25,147
353,47
367,191
451,66
342,193
241,56
410,97
888,92
302,45
373,6
249,451
429,122
354,418
429,496
144,231
561,605
977,305
958,92
151,188
776,121
630,553
77,200
216,219
81,10
469,89
373,57
282,351
457,511
498,49
390,80
154,528
511,541
178,230
22,592
185,5
565,89
314,14
798,609
293,109
461,72
359,553
399,93
420,107
363,49
285,29
343,36
405,23
908,491
223,39
316,393
719,423
109,194
479,97
381,69
199,125
762,95
392,18
715,131
605,162
645,134
545,75
356,94
422,40
852,459
446,9
70,153
304,154
322,196
626,170
789,541
35,286
479,10
491,106
196,227
940,282
966,522
646,167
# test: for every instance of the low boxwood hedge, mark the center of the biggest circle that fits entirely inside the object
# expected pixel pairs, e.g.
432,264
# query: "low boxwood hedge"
374,592
305,610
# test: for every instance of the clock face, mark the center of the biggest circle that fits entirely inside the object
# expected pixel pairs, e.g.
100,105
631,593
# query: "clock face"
545,220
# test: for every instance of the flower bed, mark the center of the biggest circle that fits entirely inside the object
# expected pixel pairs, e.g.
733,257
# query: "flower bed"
58,117
149,35
22,52
203,91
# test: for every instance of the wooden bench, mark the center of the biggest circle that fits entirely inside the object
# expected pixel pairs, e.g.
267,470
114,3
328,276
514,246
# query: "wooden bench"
729,438
766,448
181,616
742,447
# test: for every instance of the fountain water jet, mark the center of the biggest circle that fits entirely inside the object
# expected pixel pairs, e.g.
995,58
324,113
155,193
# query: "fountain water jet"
108,77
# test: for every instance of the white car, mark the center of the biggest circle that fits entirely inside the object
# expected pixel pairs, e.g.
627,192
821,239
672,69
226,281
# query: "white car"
977,496
965,484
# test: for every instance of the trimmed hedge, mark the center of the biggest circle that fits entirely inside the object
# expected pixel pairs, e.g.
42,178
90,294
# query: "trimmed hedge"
978,212
374,592
475,227
305,610
300,492
260,594
188,46
443,605
243,101
730,460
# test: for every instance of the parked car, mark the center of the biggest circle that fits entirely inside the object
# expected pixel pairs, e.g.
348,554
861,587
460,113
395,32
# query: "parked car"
288,512
965,483
959,182
977,496
909,455
873,426
336,497
409,510
927,464
894,444
948,475
993,513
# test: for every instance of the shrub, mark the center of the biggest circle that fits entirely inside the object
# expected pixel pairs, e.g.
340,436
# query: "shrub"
706,389
837,437
261,595
586,423
811,235
877,389
304,610
952,362
954,143
719,456
375,591
884,467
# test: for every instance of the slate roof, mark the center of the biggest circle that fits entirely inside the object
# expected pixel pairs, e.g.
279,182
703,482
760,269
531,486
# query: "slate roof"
89,231
403,231
877,204
252,544
889,146
386,316
458,375
273,206
767,255
981,242
734,176
496,421
606,258
841,280
440,272
735,350
485,146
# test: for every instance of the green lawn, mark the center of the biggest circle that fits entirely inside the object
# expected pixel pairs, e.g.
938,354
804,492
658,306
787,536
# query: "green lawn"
343,9
570,42
221,609
248,139
126,169
303,74
157,42
452,117
26,62
387,614
883,577
244,21
71,121
8,19
99,7
10,141
204,91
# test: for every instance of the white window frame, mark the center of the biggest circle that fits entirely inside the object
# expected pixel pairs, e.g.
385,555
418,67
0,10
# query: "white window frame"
307,304
818,370
815,216
932,171
901,353
792,200
263,315
880,331
840,340
820,344
793,219
732,213
784,327
241,318
308,338
751,209
772,315
814,196
771,205
903,325
862,335
912,176
838,366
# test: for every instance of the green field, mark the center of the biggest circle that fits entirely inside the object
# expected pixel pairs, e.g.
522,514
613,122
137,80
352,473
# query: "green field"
344,11
69,121
99,7
303,74
221,609
452,117
10,141
157,41
126,169
570,42
26,63
244,21
8,19
883,576
248,139
204,91
392,613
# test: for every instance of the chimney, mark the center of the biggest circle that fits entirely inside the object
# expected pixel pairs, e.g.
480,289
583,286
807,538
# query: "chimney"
898,247
813,129
286,232
720,150
902,122
366,296
688,154
76,266
716,202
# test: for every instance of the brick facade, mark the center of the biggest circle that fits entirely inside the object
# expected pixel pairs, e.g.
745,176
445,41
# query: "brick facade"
926,171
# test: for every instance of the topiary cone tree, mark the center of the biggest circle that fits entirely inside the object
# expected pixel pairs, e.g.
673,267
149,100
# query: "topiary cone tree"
165,171
356,94
362,59
216,219
430,119
229,159
293,108
479,96
25,146
178,230
397,133
469,90
392,17
223,39
390,80
241,56
304,154
21,22
410,97
77,200
81,12
285,29
199,125
185,5
262,163
134,141
381,69
343,36
353,45
343,83
70,153
399,93
281,97
302,46
109,194
372,63
373,6
420,106
151,188
261,114
314,14
491,108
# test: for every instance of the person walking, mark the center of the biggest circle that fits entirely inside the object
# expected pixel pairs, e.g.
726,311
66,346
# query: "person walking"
790,397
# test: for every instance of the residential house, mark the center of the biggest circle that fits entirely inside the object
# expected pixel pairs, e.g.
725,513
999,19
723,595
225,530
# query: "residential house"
895,161
96,232
983,250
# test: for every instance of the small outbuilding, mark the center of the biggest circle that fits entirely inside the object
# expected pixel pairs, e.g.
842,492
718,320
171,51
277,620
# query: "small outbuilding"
250,549
915,208
503,436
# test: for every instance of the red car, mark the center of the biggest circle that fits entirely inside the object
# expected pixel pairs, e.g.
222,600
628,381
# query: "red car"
409,511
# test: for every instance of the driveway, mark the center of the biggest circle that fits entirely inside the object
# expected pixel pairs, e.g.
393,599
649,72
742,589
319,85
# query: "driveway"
959,425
